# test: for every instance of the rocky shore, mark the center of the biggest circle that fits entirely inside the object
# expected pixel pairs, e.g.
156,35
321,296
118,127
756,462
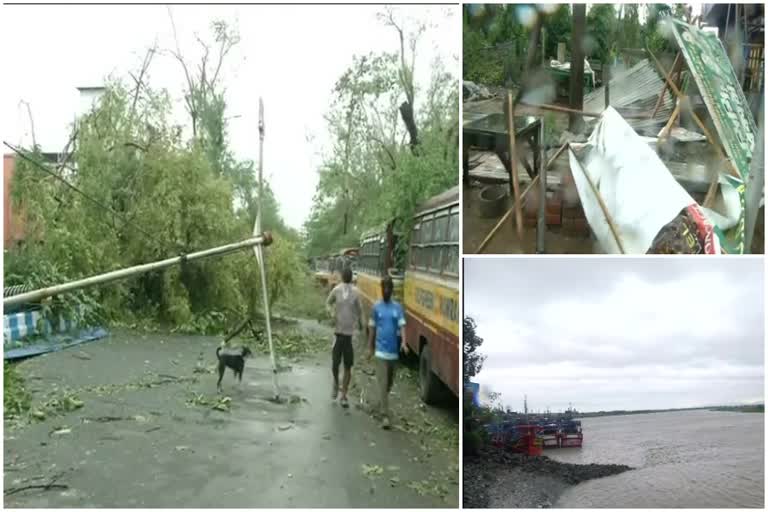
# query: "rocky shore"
494,479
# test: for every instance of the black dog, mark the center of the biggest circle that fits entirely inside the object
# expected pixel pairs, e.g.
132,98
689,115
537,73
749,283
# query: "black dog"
234,358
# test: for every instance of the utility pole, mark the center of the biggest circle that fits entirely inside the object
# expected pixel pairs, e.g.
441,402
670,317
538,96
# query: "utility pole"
576,123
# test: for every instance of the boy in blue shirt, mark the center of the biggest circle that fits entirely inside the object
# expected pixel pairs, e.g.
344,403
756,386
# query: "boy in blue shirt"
387,329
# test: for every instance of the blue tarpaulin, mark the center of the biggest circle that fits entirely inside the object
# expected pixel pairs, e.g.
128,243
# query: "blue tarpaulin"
54,343
27,333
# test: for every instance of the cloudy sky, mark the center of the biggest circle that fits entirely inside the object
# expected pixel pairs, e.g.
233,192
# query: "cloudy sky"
619,333
290,55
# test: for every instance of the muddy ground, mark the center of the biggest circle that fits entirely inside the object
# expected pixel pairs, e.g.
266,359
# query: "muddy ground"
148,433
493,479
505,241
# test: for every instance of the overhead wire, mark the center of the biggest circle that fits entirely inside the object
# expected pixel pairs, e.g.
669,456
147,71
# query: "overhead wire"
95,201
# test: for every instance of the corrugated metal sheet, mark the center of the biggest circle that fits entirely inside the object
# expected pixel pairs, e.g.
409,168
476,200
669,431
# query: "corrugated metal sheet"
637,88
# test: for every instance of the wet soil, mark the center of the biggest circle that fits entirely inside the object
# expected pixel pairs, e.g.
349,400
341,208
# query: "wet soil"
149,434
494,479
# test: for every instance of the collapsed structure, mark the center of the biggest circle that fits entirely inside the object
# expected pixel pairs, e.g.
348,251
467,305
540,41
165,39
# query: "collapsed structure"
668,166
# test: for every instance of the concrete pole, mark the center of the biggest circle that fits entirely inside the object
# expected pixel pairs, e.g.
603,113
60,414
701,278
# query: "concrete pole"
37,295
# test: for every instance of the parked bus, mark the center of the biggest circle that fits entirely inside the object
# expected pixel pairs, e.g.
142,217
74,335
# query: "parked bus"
377,260
432,294
428,288
344,258
322,270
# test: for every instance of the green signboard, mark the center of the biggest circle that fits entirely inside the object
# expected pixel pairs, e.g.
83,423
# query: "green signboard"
728,108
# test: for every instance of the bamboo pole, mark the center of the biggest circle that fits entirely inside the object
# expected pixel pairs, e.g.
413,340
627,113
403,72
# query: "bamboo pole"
607,215
566,110
522,198
513,164
604,208
668,127
712,190
664,89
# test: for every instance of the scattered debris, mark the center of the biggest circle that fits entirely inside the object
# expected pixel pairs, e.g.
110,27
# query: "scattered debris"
223,404
638,89
475,92
372,470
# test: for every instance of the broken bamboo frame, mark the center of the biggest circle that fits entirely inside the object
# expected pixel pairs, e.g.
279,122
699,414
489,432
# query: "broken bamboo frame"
522,199
664,89
696,118
566,110
513,164
710,197
664,133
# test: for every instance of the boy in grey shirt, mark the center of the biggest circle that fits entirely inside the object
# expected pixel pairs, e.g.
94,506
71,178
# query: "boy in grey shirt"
349,313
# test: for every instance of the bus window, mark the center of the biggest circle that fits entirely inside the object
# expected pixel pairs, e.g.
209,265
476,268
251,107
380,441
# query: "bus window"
441,229
426,234
416,234
435,253
452,263
453,227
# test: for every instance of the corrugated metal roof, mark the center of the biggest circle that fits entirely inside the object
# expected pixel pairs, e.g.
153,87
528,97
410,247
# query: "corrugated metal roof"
637,88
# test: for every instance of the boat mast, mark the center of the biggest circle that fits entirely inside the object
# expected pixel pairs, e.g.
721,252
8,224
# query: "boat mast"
525,407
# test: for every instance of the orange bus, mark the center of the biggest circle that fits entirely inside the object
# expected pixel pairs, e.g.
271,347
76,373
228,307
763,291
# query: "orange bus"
432,295
322,269
344,258
428,289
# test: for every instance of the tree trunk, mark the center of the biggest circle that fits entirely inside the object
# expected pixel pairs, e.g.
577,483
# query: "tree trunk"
576,123
406,112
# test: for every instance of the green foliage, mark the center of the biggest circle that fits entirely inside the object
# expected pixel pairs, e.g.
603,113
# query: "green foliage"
370,175
16,399
494,43
558,27
629,31
473,361
495,39
656,38
285,268
601,31
183,196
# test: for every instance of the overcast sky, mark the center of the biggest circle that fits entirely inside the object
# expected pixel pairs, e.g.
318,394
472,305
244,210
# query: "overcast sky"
290,55
619,333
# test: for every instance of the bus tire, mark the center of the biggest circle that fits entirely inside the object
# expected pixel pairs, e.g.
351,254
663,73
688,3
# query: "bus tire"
429,385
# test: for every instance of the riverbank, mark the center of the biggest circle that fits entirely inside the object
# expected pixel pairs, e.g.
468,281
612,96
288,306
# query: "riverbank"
495,479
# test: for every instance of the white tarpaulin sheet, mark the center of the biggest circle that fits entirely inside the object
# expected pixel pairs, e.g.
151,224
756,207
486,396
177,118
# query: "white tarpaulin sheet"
639,192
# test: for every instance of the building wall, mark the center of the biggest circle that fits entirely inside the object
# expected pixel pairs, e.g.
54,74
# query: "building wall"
12,224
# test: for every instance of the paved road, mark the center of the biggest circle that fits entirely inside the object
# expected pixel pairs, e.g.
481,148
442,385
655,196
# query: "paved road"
132,445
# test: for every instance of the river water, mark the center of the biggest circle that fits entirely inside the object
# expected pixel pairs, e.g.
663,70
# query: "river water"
702,459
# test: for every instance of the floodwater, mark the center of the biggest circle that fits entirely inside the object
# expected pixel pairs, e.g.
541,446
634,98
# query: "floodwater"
702,459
